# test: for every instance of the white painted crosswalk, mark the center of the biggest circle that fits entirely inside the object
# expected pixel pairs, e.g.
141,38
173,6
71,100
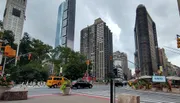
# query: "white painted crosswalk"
144,98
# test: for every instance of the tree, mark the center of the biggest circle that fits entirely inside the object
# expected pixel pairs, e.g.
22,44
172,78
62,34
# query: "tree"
28,70
73,63
9,36
1,24
40,50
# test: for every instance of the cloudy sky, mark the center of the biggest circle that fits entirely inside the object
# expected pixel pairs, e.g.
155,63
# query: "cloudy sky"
41,18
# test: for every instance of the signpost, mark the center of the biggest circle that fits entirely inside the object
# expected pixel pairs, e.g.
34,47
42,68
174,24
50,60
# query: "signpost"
111,84
159,79
1,56
87,62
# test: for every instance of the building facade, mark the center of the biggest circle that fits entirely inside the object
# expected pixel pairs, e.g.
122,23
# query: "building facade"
96,45
163,60
129,74
119,76
14,16
178,2
146,45
121,61
66,24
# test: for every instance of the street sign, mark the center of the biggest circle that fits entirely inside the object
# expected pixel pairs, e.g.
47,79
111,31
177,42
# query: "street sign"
158,78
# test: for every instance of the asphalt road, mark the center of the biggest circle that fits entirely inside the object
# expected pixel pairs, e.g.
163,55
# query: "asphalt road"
104,90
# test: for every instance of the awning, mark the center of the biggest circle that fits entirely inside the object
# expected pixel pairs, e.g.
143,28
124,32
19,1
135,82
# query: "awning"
145,77
173,78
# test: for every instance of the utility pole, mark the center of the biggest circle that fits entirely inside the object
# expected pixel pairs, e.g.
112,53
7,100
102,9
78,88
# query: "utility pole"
178,40
87,74
17,53
4,66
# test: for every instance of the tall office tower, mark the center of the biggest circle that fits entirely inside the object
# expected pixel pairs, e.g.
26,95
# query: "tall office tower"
14,16
66,24
146,54
96,45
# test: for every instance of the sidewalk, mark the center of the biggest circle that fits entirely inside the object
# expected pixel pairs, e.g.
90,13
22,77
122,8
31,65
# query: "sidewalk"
61,99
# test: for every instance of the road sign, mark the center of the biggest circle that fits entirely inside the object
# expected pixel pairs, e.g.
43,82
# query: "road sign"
158,78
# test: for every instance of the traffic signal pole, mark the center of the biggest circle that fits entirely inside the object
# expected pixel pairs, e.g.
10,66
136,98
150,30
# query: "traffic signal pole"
17,53
111,91
4,66
111,84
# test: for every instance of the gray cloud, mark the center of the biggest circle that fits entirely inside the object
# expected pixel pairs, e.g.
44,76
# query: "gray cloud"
42,18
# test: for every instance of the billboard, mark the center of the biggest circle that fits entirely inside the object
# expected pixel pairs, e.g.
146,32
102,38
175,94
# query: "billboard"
159,79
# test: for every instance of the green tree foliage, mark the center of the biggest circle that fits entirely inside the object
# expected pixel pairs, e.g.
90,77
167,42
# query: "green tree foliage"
9,36
73,63
28,70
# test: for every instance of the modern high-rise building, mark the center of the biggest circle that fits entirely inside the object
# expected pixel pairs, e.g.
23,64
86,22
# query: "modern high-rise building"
66,24
14,16
146,44
120,60
178,2
96,45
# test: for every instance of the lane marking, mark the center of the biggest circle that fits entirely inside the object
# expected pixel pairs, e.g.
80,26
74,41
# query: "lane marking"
93,96
164,93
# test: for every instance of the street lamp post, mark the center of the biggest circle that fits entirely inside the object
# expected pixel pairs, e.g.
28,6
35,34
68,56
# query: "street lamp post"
111,83
17,53
4,66
87,74
5,42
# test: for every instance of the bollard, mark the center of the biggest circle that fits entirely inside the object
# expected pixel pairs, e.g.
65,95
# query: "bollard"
127,98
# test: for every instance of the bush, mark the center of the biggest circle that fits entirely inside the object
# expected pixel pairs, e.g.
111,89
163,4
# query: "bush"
5,81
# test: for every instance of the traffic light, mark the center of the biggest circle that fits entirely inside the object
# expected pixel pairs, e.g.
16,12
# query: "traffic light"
87,62
178,42
115,72
0,68
12,53
7,50
29,56
110,57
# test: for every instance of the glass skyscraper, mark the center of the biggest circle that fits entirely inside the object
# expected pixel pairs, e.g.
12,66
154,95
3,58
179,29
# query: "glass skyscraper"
66,24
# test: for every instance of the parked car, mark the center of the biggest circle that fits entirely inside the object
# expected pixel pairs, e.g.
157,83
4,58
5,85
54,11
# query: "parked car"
118,83
81,84
125,83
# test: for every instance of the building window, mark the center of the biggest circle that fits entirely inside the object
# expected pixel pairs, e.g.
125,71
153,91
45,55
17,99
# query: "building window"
65,14
66,5
64,22
64,31
63,40
16,12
